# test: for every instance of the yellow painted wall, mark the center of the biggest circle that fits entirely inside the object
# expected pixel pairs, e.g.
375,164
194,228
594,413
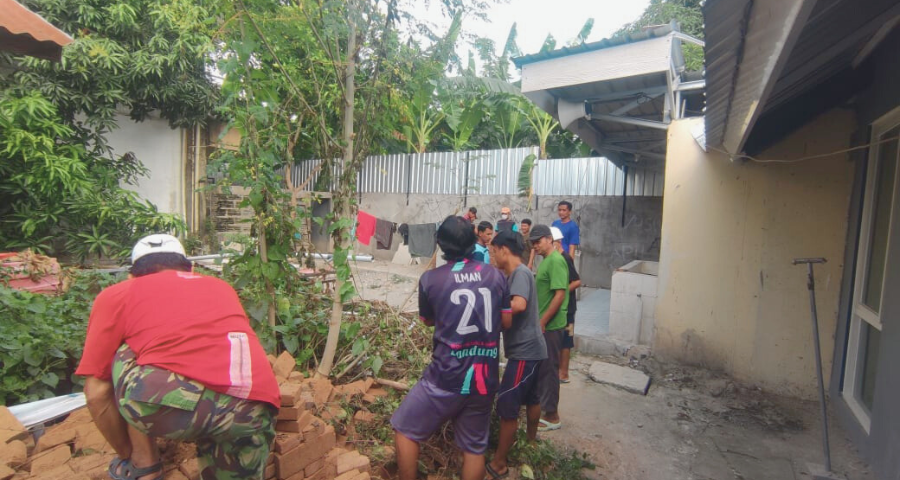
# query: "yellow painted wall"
729,298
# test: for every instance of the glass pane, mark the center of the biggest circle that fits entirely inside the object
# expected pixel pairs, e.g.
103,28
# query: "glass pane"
881,217
869,360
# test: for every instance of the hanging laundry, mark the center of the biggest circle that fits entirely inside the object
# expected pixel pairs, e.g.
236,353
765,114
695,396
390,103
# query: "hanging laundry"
422,239
403,230
365,227
384,233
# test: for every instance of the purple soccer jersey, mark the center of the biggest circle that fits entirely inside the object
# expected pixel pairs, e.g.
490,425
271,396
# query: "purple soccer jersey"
465,301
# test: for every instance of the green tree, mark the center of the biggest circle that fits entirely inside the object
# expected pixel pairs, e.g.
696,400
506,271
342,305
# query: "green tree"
134,56
688,14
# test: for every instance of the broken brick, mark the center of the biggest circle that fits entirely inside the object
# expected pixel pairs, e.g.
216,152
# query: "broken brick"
10,427
290,413
321,389
59,472
352,461
54,437
88,439
285,442
89,462
294,426
284,365
350,390
373,394
50,459
290,394
363,416
14,453
5,472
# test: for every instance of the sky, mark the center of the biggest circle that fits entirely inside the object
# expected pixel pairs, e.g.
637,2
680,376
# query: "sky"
536,18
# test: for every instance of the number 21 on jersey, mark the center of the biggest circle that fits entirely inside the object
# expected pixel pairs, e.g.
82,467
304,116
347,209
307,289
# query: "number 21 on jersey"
466,295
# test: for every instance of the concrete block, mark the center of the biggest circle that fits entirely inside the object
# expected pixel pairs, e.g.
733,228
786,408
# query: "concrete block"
625,326
621,377
596,345
648,285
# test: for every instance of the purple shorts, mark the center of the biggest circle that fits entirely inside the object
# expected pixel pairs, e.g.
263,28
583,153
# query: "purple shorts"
426,407
518,387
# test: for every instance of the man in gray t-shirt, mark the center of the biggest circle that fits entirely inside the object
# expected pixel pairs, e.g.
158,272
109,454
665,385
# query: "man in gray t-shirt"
525,350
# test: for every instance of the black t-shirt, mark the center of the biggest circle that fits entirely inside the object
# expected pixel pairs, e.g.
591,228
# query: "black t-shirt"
573,275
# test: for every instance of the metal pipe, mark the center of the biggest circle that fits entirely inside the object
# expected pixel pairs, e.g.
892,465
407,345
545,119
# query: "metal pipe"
811,285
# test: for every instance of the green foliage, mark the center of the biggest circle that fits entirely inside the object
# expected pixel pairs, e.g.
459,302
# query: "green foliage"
542,460
60,184
55,197
41,338
688,14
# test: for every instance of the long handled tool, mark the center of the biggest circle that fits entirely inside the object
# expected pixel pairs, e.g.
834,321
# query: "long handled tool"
817,471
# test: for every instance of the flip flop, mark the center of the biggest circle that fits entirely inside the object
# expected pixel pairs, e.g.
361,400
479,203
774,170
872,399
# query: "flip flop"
564,380
493,473
549,426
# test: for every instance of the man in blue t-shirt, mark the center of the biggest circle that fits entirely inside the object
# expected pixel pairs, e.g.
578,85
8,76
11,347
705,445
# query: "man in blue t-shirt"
466,301
568,227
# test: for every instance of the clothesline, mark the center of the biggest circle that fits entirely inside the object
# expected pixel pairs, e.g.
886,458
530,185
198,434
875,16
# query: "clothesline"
421,238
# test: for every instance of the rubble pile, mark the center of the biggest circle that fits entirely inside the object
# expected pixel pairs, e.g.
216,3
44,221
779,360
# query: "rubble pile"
306,446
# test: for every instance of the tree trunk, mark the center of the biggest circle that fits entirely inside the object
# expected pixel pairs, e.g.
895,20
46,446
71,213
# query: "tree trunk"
342,205
264,258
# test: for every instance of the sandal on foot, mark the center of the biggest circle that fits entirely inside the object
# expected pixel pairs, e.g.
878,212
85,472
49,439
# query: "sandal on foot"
120,469
564,380
493,473
548,426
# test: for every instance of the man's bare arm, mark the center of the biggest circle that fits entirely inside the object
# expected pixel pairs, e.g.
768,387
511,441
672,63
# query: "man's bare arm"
101,402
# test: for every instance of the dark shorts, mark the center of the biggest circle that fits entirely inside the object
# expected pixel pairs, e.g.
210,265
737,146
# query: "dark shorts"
426,407
233,435
518,387
568,340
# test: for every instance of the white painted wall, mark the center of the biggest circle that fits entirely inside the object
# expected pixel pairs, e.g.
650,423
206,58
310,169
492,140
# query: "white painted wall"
159,148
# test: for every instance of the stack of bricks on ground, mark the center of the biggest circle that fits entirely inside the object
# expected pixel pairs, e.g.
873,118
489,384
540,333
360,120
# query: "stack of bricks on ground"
305,447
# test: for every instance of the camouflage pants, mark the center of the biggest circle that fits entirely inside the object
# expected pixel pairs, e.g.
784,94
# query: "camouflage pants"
233,435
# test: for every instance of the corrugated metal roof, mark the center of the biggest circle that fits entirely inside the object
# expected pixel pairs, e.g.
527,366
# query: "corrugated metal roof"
832,35
725,32
655,32
24,32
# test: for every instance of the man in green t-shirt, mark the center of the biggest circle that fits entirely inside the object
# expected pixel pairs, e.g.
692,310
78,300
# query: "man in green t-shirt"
552,282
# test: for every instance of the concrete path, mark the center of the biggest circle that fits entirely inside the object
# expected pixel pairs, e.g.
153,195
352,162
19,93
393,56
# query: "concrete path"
694,425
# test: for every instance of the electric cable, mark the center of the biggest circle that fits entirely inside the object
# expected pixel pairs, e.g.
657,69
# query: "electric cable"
810,157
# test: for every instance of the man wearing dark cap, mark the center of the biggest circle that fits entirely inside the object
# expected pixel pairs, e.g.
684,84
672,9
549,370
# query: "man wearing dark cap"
552,282
466,301
170,353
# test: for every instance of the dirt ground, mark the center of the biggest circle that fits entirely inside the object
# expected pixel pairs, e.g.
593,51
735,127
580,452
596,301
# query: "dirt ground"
692,425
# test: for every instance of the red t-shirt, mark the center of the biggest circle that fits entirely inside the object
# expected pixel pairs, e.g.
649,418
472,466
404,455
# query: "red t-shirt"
186,323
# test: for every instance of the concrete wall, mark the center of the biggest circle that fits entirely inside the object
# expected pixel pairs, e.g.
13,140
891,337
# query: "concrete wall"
605,243
729,297
160,149
881,444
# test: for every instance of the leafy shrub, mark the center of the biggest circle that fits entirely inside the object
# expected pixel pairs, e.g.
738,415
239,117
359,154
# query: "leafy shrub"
41,338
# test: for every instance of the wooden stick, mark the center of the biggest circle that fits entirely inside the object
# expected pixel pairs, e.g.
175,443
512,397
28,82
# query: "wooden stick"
390,383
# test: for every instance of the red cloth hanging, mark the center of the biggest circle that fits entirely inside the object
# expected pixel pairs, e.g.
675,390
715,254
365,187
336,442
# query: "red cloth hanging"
365,227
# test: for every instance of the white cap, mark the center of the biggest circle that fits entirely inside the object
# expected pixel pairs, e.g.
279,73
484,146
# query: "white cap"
557,233
156,243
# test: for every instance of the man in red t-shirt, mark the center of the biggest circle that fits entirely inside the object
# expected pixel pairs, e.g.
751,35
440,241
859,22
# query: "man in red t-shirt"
170,353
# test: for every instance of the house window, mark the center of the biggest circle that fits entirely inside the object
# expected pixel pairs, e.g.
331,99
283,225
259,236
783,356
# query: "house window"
865,325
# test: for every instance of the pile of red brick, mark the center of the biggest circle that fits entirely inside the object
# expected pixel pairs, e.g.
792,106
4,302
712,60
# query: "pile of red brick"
306,446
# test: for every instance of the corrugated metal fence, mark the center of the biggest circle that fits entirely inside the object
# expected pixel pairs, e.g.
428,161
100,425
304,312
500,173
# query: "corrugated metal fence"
492,172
